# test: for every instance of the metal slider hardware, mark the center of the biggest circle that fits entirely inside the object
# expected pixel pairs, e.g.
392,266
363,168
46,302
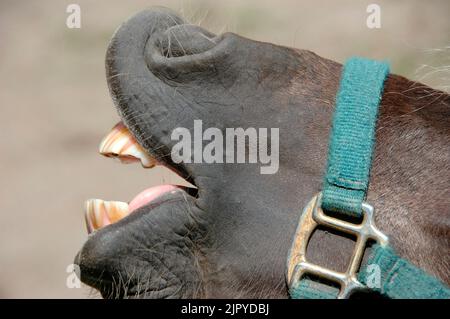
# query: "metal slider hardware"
312,217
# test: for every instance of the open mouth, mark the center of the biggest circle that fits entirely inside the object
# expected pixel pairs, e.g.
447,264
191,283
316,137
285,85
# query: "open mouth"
155,245
120,144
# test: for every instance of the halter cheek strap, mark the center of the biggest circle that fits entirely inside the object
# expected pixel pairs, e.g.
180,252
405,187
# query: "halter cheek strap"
353,136
344,191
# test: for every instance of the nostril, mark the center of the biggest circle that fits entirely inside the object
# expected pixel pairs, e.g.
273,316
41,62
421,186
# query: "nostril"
186,39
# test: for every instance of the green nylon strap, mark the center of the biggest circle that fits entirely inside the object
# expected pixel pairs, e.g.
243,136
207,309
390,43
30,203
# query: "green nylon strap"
353,136
399,278
308,289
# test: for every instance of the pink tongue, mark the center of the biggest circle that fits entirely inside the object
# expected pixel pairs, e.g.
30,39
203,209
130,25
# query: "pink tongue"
146,196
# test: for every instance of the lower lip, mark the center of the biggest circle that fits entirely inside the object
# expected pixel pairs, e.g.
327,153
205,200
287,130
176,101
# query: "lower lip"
147,196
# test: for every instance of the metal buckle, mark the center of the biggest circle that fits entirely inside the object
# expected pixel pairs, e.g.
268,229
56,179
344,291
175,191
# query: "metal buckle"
314,216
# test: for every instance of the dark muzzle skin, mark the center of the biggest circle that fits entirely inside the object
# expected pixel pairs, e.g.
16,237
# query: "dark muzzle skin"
231,239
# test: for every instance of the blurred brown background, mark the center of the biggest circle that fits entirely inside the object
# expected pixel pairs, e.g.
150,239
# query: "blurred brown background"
55,106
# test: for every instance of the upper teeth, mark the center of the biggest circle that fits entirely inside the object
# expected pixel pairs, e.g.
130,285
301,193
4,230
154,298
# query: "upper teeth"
119,143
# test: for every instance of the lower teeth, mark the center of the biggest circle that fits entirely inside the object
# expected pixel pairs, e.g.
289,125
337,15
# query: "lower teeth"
100,213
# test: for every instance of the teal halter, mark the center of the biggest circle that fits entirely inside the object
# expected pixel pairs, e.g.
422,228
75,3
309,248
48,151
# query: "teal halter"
344,191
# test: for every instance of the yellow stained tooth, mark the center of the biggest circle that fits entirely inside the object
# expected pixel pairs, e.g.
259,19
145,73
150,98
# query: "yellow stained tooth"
116,210
100,216
99,213
87,216
95,214
121,144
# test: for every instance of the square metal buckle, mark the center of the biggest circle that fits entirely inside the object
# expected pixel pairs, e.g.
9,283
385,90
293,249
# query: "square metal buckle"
314,216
